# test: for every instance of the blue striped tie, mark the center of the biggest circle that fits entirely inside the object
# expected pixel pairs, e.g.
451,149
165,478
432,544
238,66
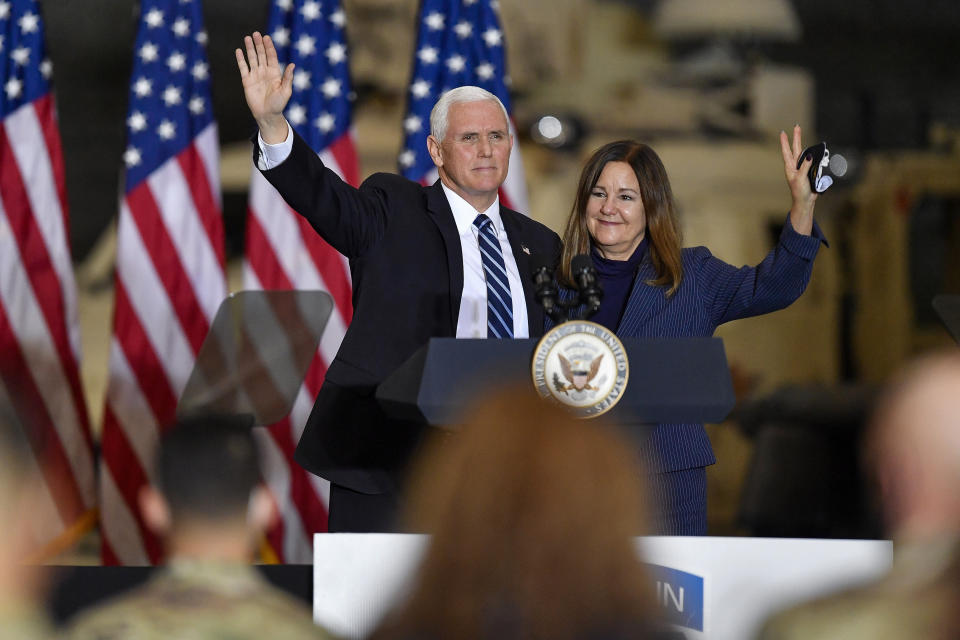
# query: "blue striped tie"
499,303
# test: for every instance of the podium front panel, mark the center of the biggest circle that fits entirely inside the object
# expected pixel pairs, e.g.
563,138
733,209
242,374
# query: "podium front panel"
711,587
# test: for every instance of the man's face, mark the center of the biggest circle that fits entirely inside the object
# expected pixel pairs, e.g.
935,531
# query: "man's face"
473,156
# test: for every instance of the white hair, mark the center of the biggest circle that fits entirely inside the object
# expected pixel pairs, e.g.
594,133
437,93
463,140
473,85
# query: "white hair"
468,93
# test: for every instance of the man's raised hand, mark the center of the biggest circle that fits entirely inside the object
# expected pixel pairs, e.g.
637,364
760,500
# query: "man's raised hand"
266,86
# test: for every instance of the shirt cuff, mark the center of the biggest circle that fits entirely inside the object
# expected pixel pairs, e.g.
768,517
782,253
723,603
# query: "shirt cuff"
272,155
801,245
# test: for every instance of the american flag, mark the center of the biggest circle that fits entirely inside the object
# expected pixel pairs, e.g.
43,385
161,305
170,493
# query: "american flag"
170,261
460,43
284,252
39,332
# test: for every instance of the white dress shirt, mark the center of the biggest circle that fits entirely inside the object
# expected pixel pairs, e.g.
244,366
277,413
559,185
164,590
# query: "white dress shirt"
472,320
273,154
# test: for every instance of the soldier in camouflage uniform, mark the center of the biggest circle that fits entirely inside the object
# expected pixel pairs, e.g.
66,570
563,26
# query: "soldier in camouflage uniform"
211,510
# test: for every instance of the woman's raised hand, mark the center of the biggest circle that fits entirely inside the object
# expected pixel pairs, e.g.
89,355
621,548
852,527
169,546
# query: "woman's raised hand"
804,198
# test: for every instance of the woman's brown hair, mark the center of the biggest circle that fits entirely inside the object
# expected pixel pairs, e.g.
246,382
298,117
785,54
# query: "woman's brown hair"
533,515
659,208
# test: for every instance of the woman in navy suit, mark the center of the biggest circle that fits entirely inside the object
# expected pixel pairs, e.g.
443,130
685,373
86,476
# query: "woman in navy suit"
624,216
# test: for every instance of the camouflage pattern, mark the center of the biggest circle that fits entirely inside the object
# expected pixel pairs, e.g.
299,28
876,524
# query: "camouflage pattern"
21,621
199,601
917,599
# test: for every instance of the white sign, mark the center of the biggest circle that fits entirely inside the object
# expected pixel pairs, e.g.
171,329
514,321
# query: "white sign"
711,587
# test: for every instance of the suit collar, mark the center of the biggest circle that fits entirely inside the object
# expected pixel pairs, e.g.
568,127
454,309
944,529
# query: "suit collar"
519,246
439,211
464,214
644,302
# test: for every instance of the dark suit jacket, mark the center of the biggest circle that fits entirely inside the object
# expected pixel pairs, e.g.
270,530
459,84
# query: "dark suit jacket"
711,292
406,265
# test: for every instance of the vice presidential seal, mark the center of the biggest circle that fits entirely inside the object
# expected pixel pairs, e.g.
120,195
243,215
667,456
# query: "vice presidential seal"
582,365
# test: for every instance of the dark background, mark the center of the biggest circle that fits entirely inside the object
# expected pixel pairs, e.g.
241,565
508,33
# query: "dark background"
884,70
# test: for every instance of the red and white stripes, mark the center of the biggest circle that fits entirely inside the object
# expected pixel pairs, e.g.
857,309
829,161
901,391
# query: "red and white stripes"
39,331
169,282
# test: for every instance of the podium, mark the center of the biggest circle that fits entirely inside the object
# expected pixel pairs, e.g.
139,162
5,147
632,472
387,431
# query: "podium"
261,342
679,380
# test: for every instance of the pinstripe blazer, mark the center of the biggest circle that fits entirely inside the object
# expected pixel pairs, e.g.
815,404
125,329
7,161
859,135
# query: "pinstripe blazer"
711,292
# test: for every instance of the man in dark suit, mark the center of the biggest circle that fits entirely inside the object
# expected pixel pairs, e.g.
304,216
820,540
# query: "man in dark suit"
445,260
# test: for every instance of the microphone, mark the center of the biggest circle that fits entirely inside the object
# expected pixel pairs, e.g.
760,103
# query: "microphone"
585,276
545,289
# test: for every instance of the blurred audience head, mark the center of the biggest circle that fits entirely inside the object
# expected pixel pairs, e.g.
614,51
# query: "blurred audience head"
208,499
914,449
533,515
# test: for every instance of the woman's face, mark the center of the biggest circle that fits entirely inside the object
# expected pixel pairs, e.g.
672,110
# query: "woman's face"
615,217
